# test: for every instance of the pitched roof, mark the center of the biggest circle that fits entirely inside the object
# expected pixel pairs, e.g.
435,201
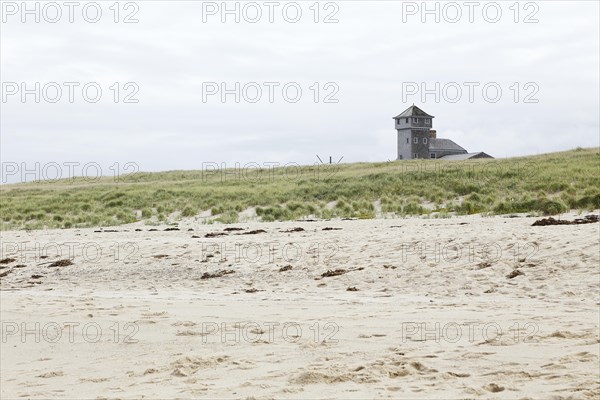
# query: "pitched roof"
466,156
413,111
444,144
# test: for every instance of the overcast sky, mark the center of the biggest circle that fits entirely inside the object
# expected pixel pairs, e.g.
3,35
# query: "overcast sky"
368,61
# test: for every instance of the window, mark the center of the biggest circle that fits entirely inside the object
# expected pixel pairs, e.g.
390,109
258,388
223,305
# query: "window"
407,120
432,155
427,121
424,140
416,140
415,155
407,140
415,120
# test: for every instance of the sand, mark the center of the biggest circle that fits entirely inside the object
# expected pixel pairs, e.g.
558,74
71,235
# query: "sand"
465,307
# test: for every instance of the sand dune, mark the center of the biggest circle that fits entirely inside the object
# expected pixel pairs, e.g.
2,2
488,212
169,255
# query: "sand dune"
467,307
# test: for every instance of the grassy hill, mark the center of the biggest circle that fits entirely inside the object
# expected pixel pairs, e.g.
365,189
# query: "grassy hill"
545,184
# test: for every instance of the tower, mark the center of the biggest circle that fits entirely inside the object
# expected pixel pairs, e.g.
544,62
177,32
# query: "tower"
414,133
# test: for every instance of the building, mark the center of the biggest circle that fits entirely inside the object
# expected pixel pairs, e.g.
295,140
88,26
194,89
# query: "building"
416,139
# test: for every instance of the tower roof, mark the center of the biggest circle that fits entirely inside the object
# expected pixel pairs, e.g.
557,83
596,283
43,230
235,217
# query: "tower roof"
413,111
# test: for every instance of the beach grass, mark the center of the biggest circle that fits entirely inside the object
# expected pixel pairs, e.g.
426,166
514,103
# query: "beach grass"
545,184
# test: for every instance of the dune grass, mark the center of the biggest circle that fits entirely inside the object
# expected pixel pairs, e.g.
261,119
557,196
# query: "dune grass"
546,184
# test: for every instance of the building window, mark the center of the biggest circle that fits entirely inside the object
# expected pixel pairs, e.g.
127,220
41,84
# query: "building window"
407,120
415,155
416,140
424,140
427,121
406,140
415,120
432,155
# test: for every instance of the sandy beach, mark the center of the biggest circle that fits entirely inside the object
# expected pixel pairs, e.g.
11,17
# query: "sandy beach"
299,200
464,307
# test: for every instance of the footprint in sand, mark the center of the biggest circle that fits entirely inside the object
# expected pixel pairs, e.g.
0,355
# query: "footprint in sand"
150,371
187,324
93,380
187,366
190,333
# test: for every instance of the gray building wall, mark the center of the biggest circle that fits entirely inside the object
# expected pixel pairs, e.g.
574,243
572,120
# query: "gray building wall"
446,152
416,128
404,149
421,148
413,122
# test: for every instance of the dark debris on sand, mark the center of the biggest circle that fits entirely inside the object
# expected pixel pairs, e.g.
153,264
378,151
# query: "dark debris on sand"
297,229
233,228
352,289
333,272
60,263
588,219
484,264
255,232
286,268
514,274
7,260
171,229
214,234
328,228
217,274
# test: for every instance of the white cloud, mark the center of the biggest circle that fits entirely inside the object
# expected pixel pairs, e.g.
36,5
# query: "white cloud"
369,54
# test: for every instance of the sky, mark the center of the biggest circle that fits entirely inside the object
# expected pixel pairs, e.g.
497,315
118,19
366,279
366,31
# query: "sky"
175,85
